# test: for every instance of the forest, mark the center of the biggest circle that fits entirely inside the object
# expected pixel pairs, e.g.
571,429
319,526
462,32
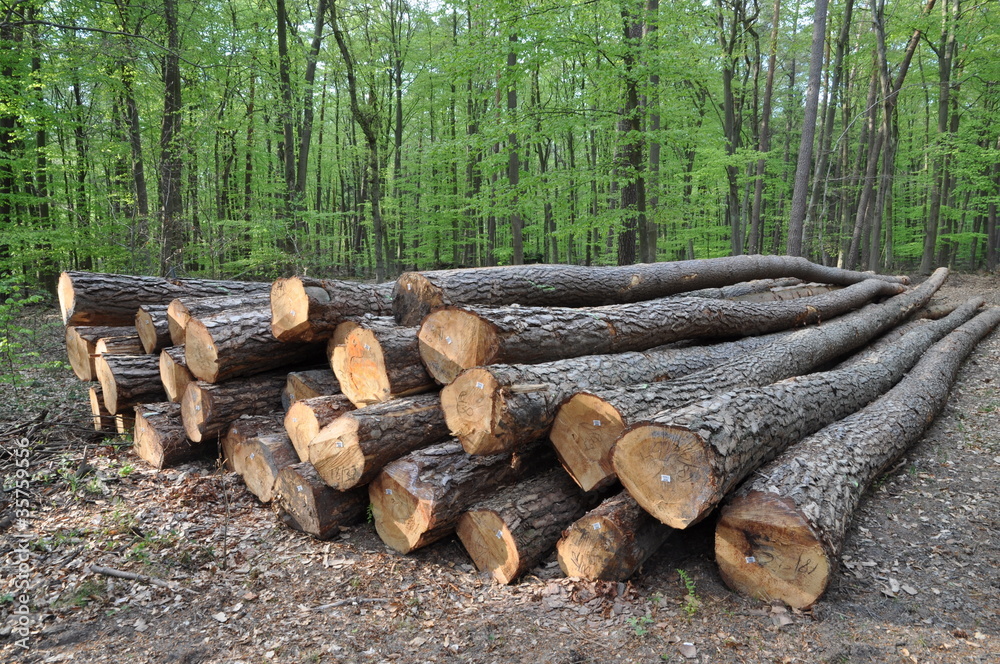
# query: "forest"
251,138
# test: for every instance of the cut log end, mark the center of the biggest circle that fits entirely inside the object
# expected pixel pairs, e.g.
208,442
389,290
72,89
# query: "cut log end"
67,297
590,548
305,419
196,410
336,454
177,320
290,311
400,518
109,387
470,405
490,544
452,340
413,297
766,549
78,352
583,434
667,470
200,352
174,373
362,366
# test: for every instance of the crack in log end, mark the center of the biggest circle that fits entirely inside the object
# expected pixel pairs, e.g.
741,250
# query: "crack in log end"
397,512
667,469
452,340
199,351
470,405
290,310
590,549
489,543
766,548
583,434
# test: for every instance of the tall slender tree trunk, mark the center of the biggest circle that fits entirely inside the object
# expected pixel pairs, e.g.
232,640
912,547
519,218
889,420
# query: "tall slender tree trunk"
764,142
513,158
171,162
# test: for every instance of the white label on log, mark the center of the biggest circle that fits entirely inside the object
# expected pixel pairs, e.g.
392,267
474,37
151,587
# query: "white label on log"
479,386
197,408
388,492
291,313
597,423
299,487
409,286
294,420
499,534
339,443
448,339
665,478
367,347
253,455
596,526
751,560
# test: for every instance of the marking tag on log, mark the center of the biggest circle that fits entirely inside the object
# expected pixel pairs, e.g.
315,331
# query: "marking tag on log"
299,487
665,478
388,492
751,560
479,386
499,534
597,423
367,347
409,286
197,408
448,339
339,443
291,313
294,420
253,455
596,526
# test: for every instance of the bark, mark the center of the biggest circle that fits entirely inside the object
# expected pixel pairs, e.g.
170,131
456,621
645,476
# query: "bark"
353,449
183,309
744,288
129,380
590,423
452,340
171,162
780,535
174,374
417,294
418,499
81,346
380,361
92,298
239,343
513,530
306,309
160,439
125,345
764,140
680,463
152,327
789,293
103,420
243,430
260,459
308,385
611,541
310,506
307,417
208,410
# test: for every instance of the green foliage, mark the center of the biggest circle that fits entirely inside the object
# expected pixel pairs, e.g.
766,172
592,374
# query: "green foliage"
16,356
691,602
640,626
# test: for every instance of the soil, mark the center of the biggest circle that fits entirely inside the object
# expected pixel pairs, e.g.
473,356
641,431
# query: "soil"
919,577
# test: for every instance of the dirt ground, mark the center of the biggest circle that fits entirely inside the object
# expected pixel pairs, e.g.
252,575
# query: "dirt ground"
919,579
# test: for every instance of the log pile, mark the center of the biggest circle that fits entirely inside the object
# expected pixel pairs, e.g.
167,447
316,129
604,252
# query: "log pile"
505,405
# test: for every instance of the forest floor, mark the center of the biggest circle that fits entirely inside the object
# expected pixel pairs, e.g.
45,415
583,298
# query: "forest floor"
919,578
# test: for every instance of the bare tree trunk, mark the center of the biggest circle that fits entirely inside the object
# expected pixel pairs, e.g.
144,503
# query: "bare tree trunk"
170,150
764,142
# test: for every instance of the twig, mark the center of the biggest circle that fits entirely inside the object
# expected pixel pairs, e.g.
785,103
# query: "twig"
351,600
131,576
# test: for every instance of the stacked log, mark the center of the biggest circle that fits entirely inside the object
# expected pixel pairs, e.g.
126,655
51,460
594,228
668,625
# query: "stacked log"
160,440
129,380
183,309
306,417
81,346
304,309
153,328
378,361
312,507
208,409
174,374
307,385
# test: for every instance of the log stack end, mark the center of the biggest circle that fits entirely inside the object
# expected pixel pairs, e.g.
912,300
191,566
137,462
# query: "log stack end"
414,297
470,405
490,544
200,352
196,411
290,309
400,517
335,453
583,435
453,340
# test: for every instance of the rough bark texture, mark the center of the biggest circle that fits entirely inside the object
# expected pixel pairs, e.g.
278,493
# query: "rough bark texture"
780,534
744,288
511,532
312,507
91,298
174,374
159,436
259,460
129,380
81,346
499,407
611,541
788,293
589,423
351,450
103,420
380,360
244,429
452,340
307,417
308,385
125,345
239,343
153,328
419,293
208,409
419,498
183,309
306,309
679,464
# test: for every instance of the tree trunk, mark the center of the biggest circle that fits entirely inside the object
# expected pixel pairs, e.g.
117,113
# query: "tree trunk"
452,340
160,439
588,424
352,450
306,418
417,294
129,380
153,328
239,343
780,535
380,361
764,143
92,298
183,309
513,530
611,541
208,410
171,231
311,507
306,309
128,344
680,463
174,374
309,384
81,346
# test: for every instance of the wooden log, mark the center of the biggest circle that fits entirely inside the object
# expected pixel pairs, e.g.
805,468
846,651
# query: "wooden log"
511,532
499,407
239,343
680,463
259,461
174,374
102,419
935,310
208,409
588,424
418,499
307,385
417,294
380,361
743,289
311,507
129,380
612,541
81,347
781,533
305,309
307,417
183,309
124,423
159,436
91,298
452,340
124,345
244,429
153,328
783,294
352,449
